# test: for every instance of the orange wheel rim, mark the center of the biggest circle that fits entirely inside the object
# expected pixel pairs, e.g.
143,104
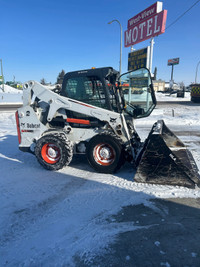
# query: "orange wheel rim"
50,153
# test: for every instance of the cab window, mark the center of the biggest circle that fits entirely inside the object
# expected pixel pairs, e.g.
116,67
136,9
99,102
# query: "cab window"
86,89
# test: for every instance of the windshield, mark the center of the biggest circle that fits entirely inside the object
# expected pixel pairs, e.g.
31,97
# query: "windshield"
138,93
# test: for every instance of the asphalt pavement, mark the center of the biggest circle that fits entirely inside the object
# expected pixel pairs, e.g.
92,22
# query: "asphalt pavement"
9,107
177,103
167,233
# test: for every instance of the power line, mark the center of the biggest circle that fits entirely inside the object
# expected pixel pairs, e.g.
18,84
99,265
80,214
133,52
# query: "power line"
182,15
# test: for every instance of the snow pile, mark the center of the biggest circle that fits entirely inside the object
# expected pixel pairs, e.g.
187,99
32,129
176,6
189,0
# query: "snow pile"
10,95
164,97
175,115
9,89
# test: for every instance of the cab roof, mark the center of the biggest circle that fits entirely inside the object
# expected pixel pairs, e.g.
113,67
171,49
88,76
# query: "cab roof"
105,72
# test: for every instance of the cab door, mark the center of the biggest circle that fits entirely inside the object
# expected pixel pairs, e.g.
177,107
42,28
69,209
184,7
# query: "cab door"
138,93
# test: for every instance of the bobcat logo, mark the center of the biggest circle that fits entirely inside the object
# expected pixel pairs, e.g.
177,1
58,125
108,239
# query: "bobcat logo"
22,125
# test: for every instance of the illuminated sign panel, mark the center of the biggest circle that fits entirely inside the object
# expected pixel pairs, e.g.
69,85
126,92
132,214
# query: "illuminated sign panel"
138,59
173,61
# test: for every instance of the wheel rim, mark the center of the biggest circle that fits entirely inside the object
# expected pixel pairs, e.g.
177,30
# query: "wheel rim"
104,154
50,153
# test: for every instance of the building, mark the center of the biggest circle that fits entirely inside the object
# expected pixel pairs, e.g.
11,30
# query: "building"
162,86
159,85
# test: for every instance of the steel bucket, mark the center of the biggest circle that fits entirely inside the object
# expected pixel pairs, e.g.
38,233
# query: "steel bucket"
165,160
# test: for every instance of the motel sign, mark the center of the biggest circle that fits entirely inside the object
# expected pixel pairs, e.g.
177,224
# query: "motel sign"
147,24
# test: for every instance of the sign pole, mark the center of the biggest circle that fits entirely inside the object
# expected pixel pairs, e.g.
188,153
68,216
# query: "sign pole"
172,74
132,49
151,54
172,62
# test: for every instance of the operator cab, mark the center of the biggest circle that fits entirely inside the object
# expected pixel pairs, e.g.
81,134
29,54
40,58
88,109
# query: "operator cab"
102,87
92,86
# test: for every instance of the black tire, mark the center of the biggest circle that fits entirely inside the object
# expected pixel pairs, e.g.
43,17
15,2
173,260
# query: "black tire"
54,152
105,153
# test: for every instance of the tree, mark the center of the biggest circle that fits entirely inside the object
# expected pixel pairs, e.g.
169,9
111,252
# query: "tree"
155,73
60,77
181,84
43,81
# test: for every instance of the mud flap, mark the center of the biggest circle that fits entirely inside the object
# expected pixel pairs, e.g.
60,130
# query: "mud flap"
165,160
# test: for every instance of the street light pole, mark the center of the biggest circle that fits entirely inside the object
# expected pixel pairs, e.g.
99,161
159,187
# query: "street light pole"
2,75
120,62
196,71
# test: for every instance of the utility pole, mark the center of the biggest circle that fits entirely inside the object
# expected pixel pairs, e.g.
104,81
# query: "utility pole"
196,71
2,75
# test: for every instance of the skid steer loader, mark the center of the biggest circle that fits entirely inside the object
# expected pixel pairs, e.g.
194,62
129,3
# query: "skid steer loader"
94,113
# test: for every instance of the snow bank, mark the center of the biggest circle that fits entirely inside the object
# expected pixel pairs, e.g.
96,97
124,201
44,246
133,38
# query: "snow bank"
160,97
175,116
164,97
9,89
10,98
10,95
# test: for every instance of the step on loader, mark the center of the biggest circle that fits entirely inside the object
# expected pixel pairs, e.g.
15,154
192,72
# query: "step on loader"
93,113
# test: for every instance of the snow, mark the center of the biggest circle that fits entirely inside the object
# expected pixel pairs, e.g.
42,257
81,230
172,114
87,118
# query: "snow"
157,243
47,218
9,89
166,97
10,95
176,117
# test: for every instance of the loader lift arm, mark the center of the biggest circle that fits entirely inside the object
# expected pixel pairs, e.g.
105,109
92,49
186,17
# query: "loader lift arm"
57,102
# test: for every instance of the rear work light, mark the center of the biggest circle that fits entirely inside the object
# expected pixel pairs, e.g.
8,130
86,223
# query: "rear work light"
18,127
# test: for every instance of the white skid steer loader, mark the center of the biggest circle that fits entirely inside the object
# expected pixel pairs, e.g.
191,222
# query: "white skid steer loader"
94,113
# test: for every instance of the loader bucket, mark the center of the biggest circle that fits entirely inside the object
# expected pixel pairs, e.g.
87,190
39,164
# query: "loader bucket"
165,160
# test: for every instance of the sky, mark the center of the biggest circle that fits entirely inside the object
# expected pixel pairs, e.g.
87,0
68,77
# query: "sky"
39,38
